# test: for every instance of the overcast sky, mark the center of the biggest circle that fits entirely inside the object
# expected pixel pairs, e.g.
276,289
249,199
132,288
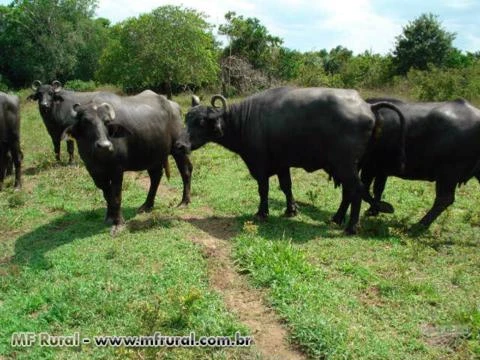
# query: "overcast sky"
316,24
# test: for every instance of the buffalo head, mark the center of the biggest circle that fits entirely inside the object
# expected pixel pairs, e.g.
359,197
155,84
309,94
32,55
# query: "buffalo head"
46,94
206,123
95,127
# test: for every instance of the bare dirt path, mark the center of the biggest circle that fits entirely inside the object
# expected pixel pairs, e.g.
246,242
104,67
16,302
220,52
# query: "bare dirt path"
245,302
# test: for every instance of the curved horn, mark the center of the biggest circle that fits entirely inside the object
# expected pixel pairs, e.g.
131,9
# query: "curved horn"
36,84
222,99
57,85
74,111
111,111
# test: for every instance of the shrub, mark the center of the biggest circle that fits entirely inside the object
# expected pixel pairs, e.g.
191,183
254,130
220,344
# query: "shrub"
80,85
438,84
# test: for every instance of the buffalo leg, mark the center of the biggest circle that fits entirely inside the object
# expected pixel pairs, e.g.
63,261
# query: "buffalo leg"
155,176
3,164
105,185
339,216
263,187
352,192
70,150
354,189
116,199
367,177
445,196
378,188
56,148
9,170
17,161
185,168
286,185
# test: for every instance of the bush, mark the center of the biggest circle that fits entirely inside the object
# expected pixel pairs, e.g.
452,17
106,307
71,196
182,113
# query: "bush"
438,84
313,75
367,71
80,85
3,85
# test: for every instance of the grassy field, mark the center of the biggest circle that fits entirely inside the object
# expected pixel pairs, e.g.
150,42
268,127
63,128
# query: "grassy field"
383,294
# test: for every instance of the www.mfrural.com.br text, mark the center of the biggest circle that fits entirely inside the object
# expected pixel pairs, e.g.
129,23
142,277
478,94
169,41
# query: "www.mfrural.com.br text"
26,339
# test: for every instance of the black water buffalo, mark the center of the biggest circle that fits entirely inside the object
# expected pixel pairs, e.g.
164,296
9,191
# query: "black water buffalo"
313,128
55,105
10,137
442,145
115,134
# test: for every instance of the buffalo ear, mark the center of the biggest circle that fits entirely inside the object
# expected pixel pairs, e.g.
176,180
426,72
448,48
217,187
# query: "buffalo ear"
33,96
68,133
57,97
109,112
117,131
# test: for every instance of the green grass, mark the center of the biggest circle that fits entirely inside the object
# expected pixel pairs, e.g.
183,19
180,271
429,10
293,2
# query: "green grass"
383,294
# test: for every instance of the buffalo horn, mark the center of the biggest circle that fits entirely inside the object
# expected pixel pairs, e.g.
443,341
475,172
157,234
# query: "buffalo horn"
222,99
36,84
57,85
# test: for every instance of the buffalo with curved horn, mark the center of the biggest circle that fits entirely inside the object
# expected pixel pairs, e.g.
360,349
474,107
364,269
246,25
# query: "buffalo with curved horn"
54,104
310,128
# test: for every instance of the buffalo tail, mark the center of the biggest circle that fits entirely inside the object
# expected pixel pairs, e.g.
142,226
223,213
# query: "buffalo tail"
403,128
166,166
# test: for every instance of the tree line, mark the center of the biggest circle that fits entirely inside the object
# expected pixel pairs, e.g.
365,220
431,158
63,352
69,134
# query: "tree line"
173,49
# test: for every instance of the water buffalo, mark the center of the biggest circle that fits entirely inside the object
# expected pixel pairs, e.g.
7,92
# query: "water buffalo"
312,128
55,104
10,137
116,134
442,145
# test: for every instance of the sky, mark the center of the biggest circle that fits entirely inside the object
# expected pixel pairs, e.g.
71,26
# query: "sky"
309,25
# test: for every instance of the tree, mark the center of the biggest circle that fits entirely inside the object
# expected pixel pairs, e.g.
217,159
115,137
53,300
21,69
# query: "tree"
42,39
249,39
422,42
336,59
287,64
171,46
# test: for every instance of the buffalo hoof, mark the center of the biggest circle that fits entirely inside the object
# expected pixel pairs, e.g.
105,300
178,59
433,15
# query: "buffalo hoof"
144,209
385,207
418,229
338,219
261,216
372,211
183,203
110,220
116,229
290,213
351,230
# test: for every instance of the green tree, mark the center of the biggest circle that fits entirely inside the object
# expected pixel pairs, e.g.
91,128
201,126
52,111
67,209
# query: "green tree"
171,46
287,64
42,39
336,59
422,42
367,70
249,39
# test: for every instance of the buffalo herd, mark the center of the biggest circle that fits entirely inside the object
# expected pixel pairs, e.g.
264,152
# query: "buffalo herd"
357,142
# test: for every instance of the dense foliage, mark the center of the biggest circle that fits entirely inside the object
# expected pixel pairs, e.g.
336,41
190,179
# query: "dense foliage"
422,42
173,49
50,39
168,47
